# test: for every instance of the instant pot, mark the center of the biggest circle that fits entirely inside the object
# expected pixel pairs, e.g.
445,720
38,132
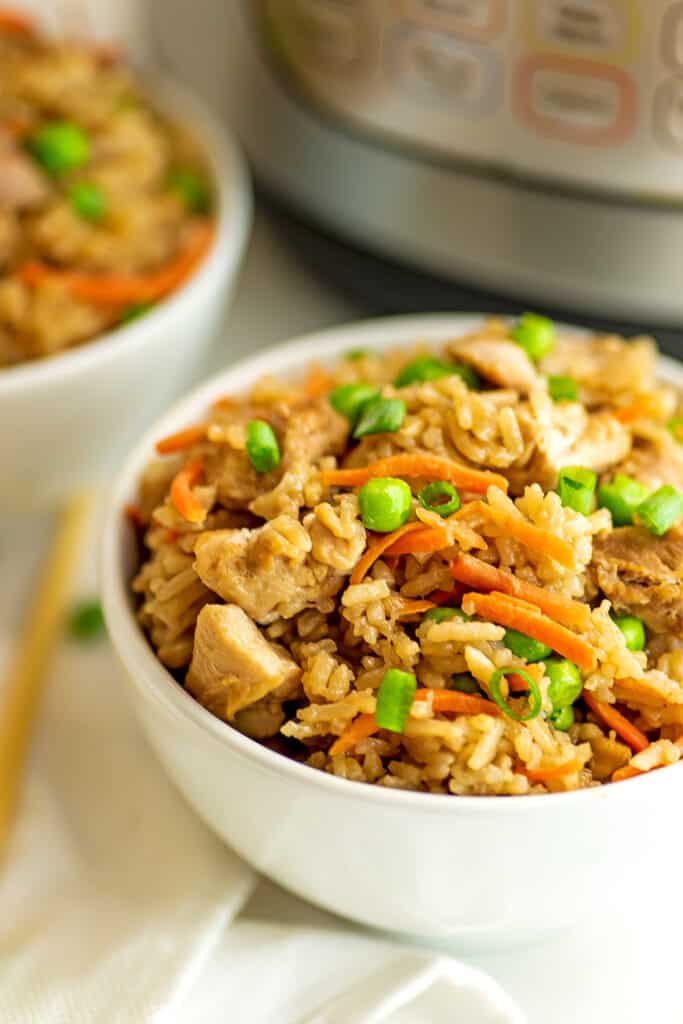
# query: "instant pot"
530,148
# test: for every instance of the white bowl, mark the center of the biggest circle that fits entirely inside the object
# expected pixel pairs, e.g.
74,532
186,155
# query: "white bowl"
477,869
64,419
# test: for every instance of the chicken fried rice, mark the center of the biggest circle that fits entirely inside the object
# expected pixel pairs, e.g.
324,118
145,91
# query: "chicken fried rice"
456,571
104,205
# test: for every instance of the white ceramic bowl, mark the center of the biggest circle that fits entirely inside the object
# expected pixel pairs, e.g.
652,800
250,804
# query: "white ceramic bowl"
477,869
64,419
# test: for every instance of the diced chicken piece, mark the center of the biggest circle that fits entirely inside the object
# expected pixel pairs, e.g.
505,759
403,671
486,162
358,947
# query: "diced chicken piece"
269,571
22,186
642,574
575,438
233,665
498,361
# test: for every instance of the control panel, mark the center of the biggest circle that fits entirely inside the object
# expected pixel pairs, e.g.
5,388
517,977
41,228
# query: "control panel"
582,92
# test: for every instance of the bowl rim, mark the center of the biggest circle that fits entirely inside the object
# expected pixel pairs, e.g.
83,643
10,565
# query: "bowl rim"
153,681
233,218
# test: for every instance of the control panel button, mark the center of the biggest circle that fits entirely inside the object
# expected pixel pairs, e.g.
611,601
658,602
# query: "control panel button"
668,114
672,37
438,68
604,29
326,36
575,101
474,19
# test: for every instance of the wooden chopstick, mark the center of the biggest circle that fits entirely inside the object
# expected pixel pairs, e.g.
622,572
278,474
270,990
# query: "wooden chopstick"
20,695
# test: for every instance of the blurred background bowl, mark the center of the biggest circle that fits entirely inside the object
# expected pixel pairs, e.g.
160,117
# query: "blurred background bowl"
64,420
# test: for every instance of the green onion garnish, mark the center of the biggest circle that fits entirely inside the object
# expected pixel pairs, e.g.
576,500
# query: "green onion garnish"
88,200
463,682
262,447
60,147
535,334
382,416
535,699
350,399
621,496
633,630
576,487
394,699
563,718
661,510
442,614
385,503
426,368
564,682
440,497
562,389
86,621
191,188
523,646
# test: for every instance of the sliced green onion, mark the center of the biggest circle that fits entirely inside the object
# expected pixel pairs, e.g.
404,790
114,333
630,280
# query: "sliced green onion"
562,389
442,614
535,334
661,510
675,425
440,497
262,447
60,147
426,368
565,682
86,621
350,399
357,353
382,416
535,699
463,682
563,718
385,503
523,646
621,496
88,200
576,488
394,699
633,630
192,189
135,311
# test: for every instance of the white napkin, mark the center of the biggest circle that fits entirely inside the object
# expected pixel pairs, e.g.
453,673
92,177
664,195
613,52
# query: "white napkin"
118,905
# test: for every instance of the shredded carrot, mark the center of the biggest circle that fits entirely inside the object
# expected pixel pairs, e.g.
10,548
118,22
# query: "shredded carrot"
514,614
532,537
418,464
443,596
643,406
135,517
224,402
460,703
377,549
417,607
553,771
121,289
182,439
431,538
182,497
318,382
360,728
16,22
614,719
518,684
475,573
628,771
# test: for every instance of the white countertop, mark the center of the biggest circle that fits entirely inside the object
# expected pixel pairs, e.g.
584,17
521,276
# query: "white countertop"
620,966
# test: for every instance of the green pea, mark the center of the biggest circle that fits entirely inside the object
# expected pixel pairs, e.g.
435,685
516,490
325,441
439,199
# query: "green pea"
385,503
381,416
564,682
562,718
426,368
621,496
191,188
535,334
60,147
350,399
88,200
86,621
523,646
443,614
562,389
633,630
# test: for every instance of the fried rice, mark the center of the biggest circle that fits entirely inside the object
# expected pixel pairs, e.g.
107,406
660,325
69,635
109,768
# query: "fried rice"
104,204
266,594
